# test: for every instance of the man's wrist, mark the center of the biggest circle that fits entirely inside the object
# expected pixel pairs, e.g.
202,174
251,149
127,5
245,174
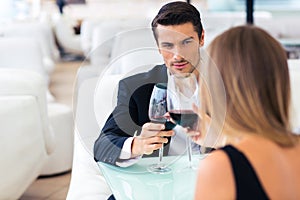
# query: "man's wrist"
134,153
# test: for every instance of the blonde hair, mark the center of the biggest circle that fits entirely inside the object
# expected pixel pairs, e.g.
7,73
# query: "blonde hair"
254,70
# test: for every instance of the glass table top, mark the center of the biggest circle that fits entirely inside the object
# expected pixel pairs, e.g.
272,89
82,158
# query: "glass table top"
135,182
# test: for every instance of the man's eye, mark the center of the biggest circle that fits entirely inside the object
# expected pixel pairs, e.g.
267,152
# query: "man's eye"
167,46
186,42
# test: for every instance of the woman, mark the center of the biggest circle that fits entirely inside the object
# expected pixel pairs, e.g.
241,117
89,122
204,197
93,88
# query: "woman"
262,159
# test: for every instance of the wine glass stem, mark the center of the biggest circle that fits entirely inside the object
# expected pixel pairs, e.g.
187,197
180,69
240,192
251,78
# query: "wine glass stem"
189,146
161,153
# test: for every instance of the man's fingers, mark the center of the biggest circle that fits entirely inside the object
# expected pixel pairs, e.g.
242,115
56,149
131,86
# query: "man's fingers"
148,145
166,133
152,144
153,126
151,129
151,148
148,152
156,140
151,138
146,133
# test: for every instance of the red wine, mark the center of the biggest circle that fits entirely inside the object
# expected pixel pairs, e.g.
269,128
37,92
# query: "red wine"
184,118
163,120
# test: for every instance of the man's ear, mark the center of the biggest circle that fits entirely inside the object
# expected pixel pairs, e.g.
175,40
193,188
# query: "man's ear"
201,42
159,49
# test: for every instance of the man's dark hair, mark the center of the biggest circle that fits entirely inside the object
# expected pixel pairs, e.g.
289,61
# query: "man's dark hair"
177,13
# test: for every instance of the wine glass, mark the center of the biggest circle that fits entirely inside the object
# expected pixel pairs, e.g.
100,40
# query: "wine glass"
157,111
182,96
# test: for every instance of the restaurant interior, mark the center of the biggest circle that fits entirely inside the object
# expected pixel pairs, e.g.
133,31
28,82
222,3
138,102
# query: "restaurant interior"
60,63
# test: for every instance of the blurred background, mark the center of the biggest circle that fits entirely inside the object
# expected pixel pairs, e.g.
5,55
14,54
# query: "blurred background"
49,48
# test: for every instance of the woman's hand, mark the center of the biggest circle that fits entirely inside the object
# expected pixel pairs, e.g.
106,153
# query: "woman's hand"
198,135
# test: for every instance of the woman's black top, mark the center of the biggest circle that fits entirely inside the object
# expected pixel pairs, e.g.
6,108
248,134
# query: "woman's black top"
247,183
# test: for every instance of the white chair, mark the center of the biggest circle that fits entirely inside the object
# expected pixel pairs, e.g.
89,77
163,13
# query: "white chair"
288,31
42,33
133,49
62,124
85,169
104,45
24,53
214,23
122,47
86,33
66,37
97,30
294,68
26,139
96,98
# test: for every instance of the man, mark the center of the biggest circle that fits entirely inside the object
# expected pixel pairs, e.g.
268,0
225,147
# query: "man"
128,133
61,4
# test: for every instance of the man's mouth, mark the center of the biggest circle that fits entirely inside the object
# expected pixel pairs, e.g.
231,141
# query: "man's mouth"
180,65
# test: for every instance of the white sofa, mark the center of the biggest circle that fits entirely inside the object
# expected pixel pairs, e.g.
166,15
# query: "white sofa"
121,45
26,140
92,34
294,68
25,54
41,32
95,99
62,125
65,35
87,181
86,34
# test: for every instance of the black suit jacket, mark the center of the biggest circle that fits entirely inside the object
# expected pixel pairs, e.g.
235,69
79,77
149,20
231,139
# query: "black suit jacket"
130,114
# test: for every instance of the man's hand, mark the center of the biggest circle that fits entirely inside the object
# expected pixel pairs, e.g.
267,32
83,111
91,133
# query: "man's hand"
150,139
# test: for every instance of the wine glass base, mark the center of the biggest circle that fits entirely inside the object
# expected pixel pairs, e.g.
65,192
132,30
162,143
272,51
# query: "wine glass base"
187,169
159,169
192,166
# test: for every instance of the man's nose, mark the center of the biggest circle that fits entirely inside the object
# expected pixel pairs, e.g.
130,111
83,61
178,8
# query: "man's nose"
177,57
177,54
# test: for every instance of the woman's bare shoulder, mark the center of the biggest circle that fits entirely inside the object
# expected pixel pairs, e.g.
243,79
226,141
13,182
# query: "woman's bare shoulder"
215,177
